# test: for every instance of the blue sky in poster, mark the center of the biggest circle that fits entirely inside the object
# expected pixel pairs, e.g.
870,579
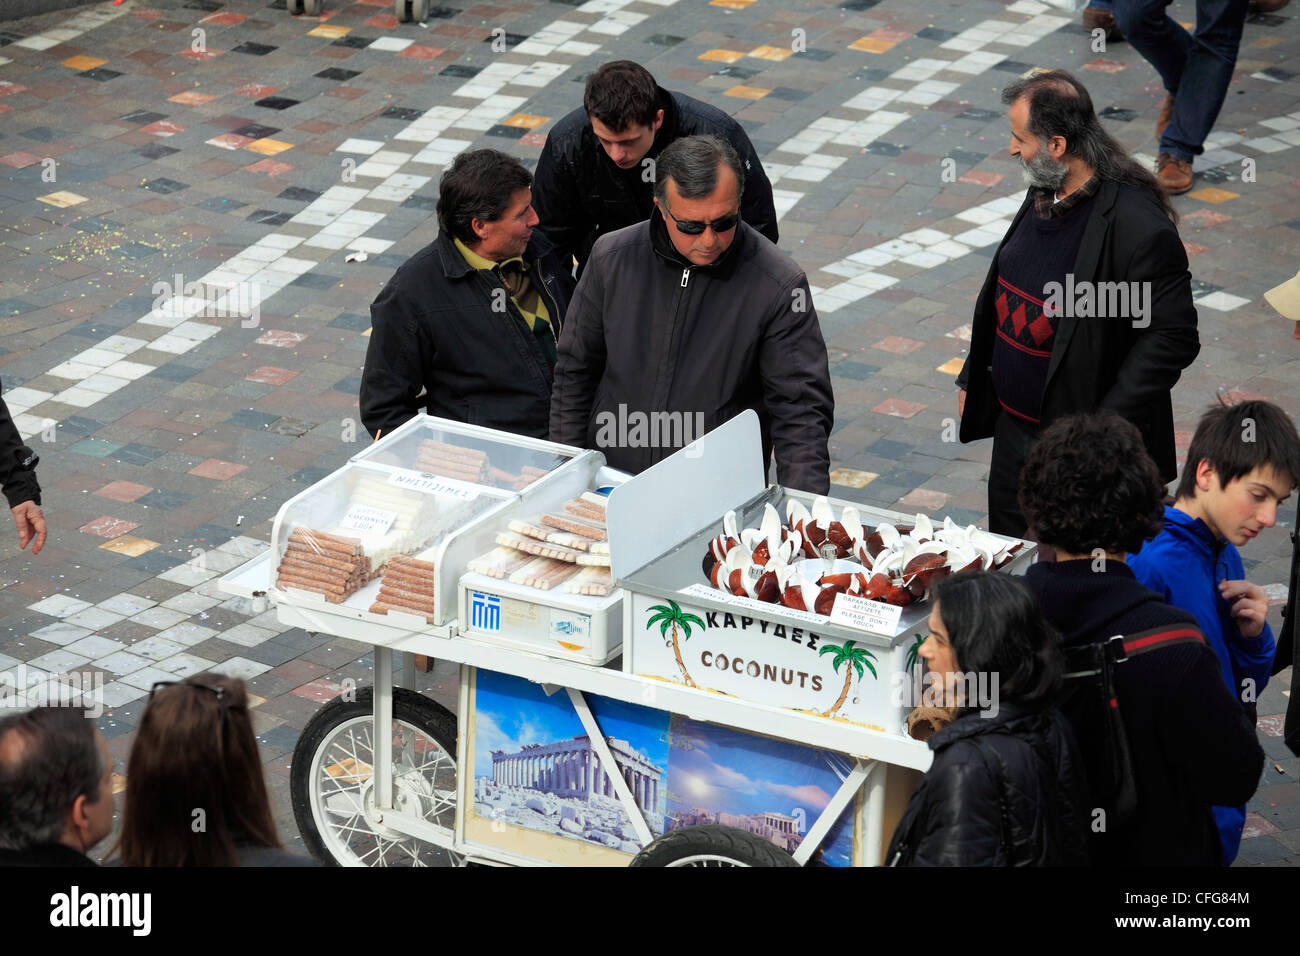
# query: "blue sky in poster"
512,711
726,770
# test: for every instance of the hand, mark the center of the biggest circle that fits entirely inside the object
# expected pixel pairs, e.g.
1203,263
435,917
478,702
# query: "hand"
31,524
961,403
1249,606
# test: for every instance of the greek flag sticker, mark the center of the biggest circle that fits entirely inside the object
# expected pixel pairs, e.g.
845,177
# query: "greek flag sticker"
485,611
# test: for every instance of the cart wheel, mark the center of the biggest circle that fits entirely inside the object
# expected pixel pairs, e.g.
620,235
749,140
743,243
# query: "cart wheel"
419,10
402,10
712,845
311,7
331,781
294,6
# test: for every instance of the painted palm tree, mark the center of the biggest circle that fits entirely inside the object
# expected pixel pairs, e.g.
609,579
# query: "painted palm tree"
913,654
856,658
673,616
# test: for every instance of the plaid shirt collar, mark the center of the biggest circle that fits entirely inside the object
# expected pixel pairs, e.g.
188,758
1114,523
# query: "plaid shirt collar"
1047,207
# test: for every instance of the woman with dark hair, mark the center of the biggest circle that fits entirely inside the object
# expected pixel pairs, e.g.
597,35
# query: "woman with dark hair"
1004,788
195,795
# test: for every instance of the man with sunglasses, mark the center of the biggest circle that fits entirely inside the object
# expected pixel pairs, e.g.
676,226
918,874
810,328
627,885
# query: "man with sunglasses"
693,317
596,173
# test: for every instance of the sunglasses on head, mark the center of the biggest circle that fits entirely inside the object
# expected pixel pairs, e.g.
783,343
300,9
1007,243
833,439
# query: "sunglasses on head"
694,227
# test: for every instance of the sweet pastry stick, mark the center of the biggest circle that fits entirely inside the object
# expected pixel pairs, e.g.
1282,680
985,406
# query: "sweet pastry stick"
412,598
594,581
544,573
533,546
529,530
575,527
414,564
595,500
319,541
585,511
303,555
453,452
596,560
381,607
567,540
499,562
414,585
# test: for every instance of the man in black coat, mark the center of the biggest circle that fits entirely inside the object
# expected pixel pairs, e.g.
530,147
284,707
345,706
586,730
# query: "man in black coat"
18,479
1088,302
683,322
596,173
467,327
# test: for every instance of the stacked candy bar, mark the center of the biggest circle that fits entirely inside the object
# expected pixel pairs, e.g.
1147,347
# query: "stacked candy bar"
408,586
327,564
453,461
527,475
499,562
544,573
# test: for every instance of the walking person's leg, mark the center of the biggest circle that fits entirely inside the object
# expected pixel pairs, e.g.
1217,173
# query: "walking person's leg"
1205,80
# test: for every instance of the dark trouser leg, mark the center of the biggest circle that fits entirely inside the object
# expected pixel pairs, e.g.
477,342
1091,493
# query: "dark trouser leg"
1197,68
1012,439
1153,33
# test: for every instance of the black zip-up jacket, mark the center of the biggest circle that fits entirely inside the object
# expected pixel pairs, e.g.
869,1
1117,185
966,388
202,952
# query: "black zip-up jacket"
650,333
437,342
1004,790
1190,742
17,463
1104,364
580,195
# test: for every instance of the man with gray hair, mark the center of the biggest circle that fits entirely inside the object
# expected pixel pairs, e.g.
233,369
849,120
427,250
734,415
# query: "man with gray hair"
692,317
56,788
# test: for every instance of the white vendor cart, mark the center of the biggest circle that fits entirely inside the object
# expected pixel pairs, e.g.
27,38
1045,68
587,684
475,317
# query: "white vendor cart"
662,723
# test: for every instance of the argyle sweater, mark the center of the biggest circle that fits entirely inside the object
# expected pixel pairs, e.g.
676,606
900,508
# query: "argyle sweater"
1039,252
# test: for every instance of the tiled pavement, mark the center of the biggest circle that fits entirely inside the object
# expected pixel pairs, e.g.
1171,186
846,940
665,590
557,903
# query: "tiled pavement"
153,151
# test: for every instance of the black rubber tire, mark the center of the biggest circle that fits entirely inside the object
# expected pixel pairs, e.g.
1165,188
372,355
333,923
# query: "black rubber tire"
744,849
431,718
293,6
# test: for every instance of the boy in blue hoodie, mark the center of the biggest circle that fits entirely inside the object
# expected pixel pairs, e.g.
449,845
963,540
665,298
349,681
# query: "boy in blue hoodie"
1244,461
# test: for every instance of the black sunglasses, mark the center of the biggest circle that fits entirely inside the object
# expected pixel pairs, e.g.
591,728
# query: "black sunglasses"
693,227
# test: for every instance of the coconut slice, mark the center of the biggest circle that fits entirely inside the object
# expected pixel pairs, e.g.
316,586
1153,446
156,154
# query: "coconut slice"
729,525
889,536
770,527
923,530
821,512
851,522
796,515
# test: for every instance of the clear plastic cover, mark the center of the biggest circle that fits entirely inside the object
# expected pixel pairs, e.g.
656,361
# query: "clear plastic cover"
466,454
344,532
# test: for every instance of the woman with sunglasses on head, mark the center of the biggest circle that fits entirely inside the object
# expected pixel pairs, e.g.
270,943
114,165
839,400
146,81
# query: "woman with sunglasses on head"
1005,787
195,795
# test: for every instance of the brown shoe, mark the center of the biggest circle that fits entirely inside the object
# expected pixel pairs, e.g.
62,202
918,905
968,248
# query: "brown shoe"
1095,18
1267,6
1166,116
1174,174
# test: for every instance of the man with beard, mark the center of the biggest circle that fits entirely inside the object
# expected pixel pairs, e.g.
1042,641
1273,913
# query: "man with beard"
1087,305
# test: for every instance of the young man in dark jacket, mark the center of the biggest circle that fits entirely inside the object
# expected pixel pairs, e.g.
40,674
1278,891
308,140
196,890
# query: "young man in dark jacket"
1088,303
1090,490
681,323
596,173
467,326
1243,462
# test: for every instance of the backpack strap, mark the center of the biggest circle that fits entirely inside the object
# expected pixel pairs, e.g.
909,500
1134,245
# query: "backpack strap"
1085,660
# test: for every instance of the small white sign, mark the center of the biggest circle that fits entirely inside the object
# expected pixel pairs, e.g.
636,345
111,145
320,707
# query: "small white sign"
368,520
433,484
876,617
703,590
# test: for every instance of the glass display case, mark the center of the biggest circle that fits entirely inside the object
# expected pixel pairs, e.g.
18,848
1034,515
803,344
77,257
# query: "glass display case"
385,537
